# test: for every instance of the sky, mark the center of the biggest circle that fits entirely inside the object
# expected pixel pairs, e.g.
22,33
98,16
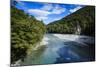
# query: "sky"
47,12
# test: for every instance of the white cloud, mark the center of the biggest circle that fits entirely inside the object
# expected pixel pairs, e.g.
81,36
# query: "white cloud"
54,9
58,10
41,17
75,9
39,14
47,7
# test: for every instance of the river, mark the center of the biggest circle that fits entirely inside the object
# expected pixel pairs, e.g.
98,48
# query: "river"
64,48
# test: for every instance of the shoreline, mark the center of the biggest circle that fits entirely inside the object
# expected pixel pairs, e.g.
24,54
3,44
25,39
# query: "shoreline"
49,39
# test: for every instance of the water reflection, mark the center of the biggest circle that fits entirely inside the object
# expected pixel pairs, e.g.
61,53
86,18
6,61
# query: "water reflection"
62,48
73,52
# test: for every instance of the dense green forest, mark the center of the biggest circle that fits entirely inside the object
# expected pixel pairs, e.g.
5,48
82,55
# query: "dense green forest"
83,19
25,32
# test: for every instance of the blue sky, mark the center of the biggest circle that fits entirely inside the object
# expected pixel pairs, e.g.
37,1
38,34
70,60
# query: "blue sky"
48,12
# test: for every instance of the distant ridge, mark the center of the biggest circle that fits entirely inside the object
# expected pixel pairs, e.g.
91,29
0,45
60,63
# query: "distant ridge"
83,20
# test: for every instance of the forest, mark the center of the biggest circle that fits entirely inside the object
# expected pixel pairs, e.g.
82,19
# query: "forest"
80,22
25,32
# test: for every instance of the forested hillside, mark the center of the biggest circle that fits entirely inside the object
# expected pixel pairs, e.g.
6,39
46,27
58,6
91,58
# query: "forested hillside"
25,32
79,22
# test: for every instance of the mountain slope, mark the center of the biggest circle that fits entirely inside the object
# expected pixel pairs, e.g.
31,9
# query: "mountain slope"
25,32
79,22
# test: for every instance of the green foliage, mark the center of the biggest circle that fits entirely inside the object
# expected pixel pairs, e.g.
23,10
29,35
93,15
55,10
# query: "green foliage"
25,32
84,17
